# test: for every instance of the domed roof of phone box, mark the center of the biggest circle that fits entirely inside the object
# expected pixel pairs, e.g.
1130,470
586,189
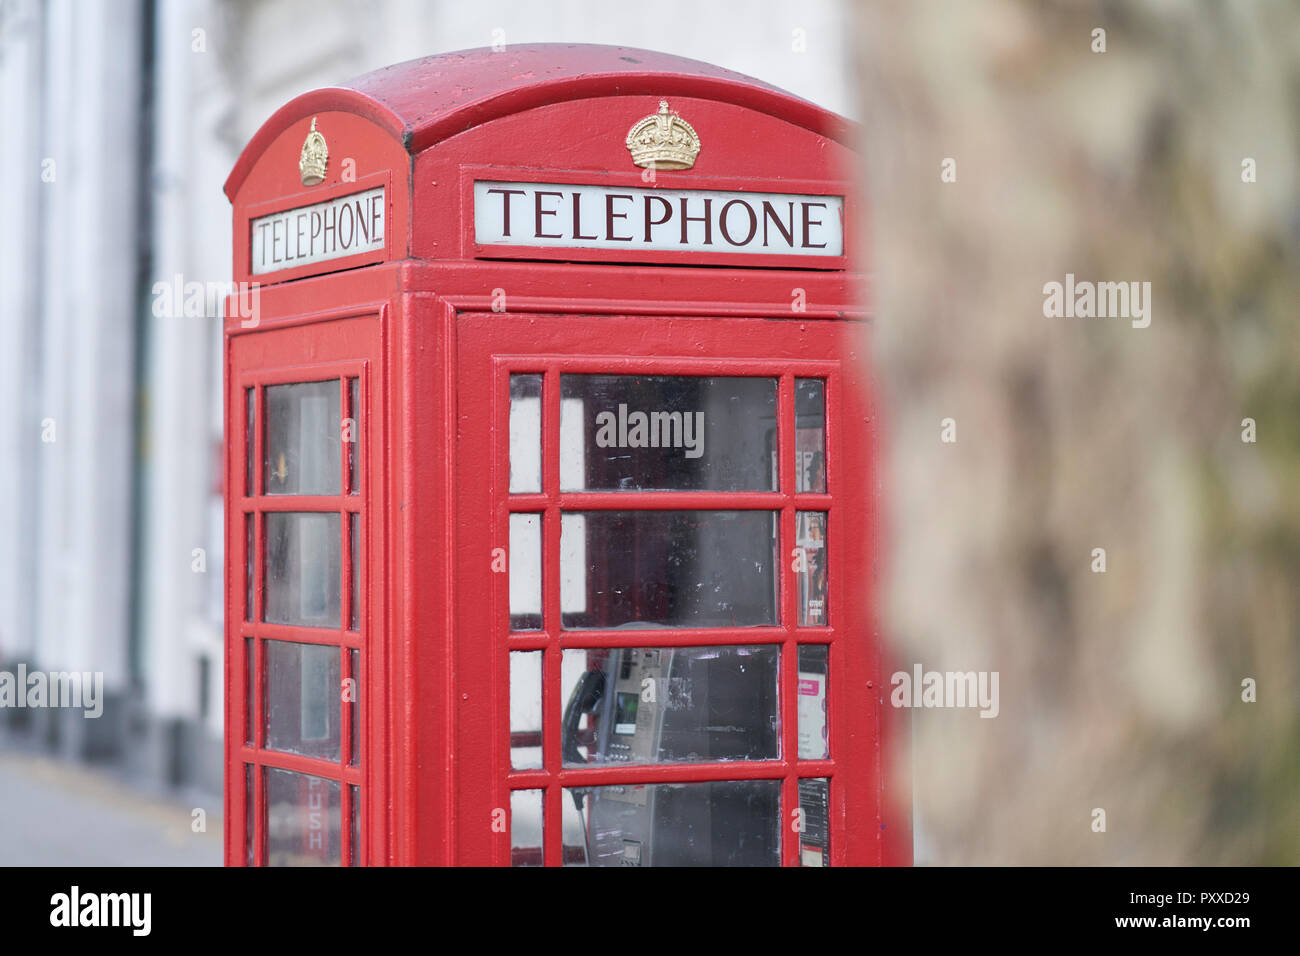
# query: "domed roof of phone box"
422,102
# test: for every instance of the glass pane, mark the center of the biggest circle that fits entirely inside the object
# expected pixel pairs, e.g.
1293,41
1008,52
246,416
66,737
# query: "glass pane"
251,670
354,706
668,569
354,534
814,730
302,439
303,568
354,446
249,449
525,433
664,432
249,798
250,522
302,820
302,699
356,826
525,709
573,828
810,537
815,840
525,828
525,572
717,823
810,434
670,705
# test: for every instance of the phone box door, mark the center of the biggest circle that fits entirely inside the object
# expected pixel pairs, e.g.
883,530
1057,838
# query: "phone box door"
690,496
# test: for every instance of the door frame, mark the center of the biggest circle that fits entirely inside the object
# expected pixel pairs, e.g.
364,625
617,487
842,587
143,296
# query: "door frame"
489,347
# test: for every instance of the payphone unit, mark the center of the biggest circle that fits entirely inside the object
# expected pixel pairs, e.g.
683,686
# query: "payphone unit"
666,705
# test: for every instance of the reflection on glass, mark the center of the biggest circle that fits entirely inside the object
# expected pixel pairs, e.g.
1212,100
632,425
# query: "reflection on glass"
667,432
249,524
668,568
670,705
302,439
354,706
525,572
249,448
814,730
810,435
356,825
251,668
716,823
525,433
810,537
354,445
526,828
249,835
525,709
302,699
354,534
302,827
303,568
573,828
815,840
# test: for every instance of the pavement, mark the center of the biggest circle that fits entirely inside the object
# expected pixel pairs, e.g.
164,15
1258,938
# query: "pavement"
58,813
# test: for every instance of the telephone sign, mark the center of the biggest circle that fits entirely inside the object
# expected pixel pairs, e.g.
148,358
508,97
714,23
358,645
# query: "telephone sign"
319,232
550,515
597,217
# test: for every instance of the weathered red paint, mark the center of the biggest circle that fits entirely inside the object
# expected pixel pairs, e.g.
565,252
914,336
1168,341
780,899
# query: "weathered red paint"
416,324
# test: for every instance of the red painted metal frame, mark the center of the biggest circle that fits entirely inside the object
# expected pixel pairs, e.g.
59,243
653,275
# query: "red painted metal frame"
435,735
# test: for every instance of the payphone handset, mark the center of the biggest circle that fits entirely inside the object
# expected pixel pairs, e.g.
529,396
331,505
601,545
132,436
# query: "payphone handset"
659,705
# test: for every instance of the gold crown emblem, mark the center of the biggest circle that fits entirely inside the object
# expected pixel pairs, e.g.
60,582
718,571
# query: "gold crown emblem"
663,140
315,156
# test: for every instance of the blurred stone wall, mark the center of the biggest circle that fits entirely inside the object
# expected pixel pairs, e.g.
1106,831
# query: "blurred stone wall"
1120,691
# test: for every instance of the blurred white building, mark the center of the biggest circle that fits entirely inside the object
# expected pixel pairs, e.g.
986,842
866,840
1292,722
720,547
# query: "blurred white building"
119,121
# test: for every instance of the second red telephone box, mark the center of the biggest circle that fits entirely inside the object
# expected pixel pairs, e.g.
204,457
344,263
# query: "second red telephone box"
550,511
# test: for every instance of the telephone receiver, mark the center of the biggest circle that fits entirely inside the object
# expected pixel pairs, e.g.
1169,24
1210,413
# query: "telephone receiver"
584,700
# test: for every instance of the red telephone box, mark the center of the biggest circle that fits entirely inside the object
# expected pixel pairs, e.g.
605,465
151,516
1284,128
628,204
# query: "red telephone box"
550,521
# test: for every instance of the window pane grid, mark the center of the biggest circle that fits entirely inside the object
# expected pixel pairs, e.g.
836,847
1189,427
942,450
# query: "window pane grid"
551,639
814,604
342,776
348,851
789,616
